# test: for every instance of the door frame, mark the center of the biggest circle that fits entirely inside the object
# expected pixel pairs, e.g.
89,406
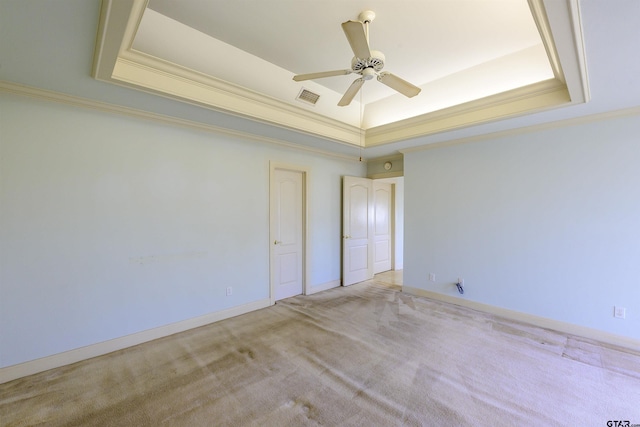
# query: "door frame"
305,223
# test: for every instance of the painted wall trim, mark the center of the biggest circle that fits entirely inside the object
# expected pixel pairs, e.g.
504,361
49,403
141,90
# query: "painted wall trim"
31,367
119,24
197,89
116,62
323,287
517,102
581,55
47,95
625,112
543,322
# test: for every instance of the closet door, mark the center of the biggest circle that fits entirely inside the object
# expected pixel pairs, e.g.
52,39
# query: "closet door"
382,226
357,230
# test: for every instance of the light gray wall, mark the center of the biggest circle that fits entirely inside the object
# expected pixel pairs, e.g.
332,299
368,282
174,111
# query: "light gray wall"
112,225
545,223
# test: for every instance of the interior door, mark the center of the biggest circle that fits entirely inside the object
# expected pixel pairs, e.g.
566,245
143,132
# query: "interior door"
286,214
357,230
382,226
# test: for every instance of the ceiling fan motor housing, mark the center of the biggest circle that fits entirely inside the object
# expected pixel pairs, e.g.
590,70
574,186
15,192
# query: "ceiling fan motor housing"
366,62
376,61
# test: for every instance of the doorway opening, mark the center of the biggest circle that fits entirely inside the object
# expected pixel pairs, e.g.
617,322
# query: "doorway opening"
373,227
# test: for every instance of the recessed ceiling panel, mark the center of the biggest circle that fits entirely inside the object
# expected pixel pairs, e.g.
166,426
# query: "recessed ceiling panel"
457,52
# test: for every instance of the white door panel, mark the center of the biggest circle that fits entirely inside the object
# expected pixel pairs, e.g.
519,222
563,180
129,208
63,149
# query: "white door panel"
288,268
381,252
287,209
287,232
357,225
358,256
359,213
383,201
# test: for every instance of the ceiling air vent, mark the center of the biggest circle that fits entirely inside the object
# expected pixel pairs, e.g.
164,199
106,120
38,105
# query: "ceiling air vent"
308,97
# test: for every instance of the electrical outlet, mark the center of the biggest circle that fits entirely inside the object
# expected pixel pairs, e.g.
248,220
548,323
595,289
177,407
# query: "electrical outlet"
432,277
619,312
229,291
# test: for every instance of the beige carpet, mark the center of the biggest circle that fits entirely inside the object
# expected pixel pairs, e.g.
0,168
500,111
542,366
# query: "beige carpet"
365,355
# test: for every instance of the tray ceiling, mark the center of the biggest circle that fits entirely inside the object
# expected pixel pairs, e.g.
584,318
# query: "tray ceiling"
475,61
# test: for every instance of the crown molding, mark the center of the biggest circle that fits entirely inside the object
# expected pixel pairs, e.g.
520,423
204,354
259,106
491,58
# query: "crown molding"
542,23
116,62
579,49
516,102
625,112
138,70
75,101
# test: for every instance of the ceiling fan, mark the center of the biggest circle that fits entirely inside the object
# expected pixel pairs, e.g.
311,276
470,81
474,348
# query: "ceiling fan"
366,62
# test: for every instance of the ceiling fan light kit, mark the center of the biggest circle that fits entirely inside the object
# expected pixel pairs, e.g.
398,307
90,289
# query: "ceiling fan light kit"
366,62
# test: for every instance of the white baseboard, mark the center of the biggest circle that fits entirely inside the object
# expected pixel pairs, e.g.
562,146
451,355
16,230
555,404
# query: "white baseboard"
323,287
20,370
543,322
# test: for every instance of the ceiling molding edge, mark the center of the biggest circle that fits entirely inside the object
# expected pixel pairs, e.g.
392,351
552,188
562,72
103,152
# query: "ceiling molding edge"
120,19
560,25
544,29
576,19
574,121
76,101
116,62
138,70
541,96
513,103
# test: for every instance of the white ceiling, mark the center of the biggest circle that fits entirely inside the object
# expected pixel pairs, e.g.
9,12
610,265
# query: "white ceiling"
52,45
475,61
455,50
422,40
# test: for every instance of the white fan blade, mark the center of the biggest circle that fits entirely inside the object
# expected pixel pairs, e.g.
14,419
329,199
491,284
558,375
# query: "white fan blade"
313,76
357,37
351,92
395,82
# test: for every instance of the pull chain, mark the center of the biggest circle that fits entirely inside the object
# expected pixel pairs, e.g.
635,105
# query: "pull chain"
361,119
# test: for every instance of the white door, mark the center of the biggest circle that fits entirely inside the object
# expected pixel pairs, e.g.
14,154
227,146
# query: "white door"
286,214
383,202
357,230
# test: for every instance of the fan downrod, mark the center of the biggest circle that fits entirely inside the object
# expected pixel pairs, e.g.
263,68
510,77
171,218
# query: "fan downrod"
366,16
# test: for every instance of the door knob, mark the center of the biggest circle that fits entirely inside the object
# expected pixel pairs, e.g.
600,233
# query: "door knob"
275,242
